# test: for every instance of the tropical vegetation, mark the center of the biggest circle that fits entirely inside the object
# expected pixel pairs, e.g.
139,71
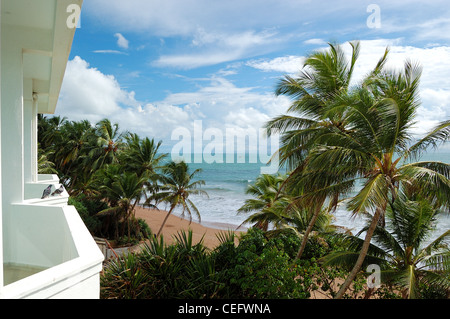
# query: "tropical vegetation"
339,136
177,184
409,259
107,173
343,143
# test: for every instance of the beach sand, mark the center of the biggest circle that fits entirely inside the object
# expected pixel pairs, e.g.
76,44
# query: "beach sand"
175,224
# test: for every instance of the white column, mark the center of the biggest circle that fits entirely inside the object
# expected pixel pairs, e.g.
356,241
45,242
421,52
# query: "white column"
30,149
27,130
12,119
34,139
12,142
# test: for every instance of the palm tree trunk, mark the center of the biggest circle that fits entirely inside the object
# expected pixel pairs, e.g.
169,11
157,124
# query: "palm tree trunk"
165,220
308,230
362,254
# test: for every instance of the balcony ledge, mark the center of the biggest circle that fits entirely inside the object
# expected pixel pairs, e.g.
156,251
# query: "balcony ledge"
33,191
75,275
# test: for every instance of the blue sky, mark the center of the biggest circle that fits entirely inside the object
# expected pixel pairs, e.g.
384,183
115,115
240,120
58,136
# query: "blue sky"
153,66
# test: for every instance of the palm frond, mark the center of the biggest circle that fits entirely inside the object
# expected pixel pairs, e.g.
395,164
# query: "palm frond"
438,135
373,194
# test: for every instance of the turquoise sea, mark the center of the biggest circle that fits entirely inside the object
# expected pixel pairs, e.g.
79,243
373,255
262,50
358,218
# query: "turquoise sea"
226,184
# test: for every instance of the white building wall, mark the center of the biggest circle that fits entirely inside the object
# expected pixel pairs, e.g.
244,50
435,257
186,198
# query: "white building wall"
11,128
37,232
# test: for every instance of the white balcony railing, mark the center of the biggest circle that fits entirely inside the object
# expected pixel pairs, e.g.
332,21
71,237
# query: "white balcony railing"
48,252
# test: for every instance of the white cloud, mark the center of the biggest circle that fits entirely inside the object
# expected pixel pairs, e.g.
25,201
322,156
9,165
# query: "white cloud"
435,82
209,48
245,118
121,41
109,51
287,64
220,99
89,94
315,42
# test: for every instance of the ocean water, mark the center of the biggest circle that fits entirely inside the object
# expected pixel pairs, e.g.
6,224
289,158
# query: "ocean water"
226,184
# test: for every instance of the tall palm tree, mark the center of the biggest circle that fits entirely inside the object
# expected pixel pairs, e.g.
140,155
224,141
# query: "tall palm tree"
399,247
142,156
375,148
326,75
363,135
108,141
177,184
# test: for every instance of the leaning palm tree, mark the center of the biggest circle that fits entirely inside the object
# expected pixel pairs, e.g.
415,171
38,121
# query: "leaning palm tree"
375,149
364,135
400,248
326,75
177,184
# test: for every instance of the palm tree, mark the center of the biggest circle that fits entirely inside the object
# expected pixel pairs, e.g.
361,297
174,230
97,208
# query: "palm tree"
375,149
45,166
267,190
326,75
177,185
123,194
142,156
72,152
108,141
364,135
275,204
399,247
49,131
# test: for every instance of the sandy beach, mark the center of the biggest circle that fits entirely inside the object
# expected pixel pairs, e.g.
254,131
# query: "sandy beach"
174,224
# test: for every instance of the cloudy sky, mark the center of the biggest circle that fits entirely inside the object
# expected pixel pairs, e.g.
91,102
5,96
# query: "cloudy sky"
157,65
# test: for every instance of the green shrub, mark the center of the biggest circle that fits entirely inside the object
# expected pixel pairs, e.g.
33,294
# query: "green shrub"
124,278
257,268
180,270
145,231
